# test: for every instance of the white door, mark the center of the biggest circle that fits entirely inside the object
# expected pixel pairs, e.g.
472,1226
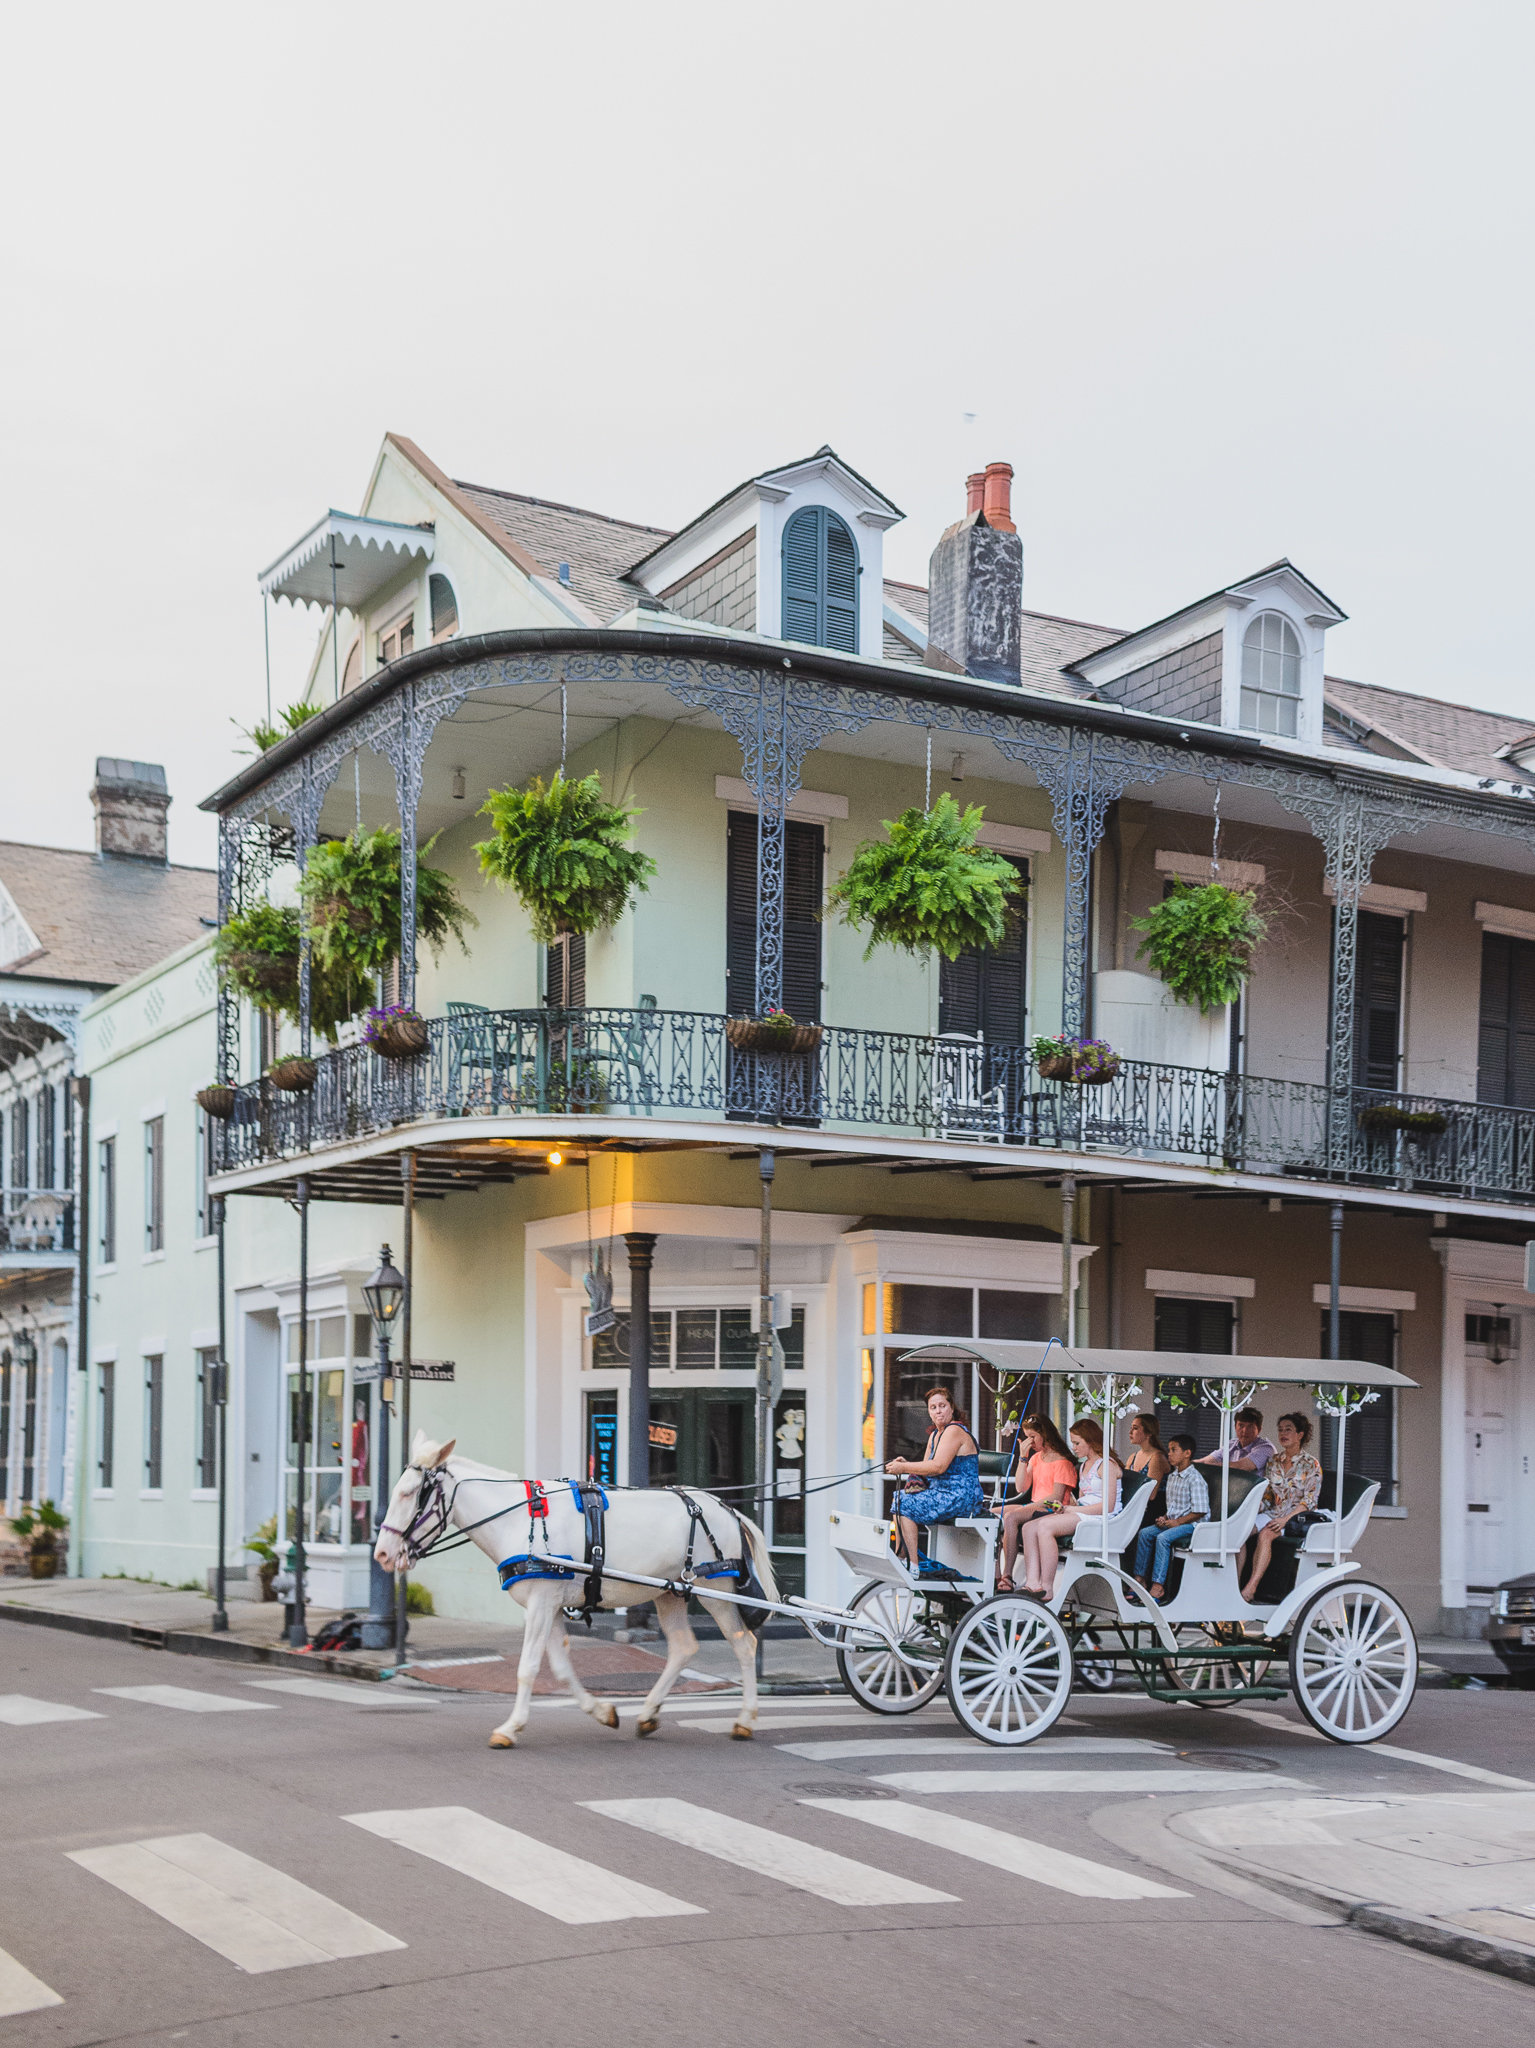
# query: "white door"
1489,1389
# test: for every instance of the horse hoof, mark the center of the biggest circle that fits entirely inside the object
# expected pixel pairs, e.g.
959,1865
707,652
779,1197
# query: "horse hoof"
648,1727
500,1741
741,1733
606,1717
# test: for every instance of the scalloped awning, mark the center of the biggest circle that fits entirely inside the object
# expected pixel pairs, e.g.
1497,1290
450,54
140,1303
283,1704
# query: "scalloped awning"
368,554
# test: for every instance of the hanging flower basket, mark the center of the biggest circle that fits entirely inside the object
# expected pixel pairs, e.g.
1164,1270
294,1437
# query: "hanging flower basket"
929,886
293,1077
217,1101
1088,1062
1412,1123
397,1033
1200,940
776,1032
564,852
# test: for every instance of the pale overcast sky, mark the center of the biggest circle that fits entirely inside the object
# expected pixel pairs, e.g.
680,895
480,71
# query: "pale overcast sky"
1222,281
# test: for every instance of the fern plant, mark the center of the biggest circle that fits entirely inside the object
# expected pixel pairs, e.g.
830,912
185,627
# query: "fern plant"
351,890
564,852
1200,940
257,952
263,735
929,885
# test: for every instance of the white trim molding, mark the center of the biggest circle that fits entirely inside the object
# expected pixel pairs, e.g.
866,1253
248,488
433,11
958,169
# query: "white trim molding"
1198,867
1376,896
1364,1297
1220,1286
1511,923
1019,839
805,803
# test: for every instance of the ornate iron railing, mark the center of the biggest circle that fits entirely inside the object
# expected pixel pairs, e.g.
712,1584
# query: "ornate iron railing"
680,1064
37,1220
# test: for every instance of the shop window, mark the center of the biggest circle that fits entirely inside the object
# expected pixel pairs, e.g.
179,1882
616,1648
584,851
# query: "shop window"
929,1311
1006,1313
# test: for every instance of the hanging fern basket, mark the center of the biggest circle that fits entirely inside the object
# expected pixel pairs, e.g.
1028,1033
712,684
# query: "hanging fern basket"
929,887
1200,940
564,853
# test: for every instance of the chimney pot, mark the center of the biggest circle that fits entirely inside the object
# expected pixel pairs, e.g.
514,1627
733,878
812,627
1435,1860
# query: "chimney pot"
975,492
998,501
131,800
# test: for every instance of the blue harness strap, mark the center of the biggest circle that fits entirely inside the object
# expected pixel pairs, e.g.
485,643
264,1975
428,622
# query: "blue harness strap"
511,1569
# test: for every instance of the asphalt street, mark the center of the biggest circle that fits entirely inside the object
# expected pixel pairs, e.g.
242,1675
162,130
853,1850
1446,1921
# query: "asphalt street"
205,1853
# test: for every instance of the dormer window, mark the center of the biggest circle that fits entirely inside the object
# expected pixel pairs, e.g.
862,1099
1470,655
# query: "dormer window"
820,580
1271,676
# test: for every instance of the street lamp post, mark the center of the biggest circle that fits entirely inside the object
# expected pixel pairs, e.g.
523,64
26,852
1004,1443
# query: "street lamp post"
385,1296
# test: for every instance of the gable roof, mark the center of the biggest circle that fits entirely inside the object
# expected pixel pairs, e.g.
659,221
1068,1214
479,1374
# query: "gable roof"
1455,736
599,549
102,920
824,454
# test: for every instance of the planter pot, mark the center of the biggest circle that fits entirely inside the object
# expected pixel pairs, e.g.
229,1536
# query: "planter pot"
753,1034
1412,1123
293,1077
45,1563
217,1102
1057,1068
277,973
1096,1077
403,1038
265,1576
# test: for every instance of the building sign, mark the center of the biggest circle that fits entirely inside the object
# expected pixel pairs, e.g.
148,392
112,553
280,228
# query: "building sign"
438,1371
663,1435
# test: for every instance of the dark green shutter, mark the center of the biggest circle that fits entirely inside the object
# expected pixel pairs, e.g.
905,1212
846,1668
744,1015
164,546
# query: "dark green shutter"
984,992
820,581
1506,1041
1377,1000
803,852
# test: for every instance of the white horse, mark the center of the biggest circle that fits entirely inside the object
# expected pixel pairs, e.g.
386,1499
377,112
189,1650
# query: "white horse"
645,1532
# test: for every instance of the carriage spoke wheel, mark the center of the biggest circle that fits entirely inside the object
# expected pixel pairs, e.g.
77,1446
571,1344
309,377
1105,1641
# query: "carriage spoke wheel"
871,1671
1212,1683
1008,1670
1353,1662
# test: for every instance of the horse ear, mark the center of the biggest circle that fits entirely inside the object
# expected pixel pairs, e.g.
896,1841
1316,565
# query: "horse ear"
423,1443
446,1452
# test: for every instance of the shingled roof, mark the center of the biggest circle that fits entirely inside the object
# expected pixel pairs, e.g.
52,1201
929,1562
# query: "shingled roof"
1445,735
101,920
599,550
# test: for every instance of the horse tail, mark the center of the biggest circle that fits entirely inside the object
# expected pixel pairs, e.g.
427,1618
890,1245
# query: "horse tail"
762,1562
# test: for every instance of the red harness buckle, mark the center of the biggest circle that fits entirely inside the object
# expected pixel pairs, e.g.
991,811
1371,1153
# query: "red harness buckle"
537,1501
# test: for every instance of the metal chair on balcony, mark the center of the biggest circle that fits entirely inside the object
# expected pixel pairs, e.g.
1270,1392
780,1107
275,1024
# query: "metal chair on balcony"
474,1066
622,1047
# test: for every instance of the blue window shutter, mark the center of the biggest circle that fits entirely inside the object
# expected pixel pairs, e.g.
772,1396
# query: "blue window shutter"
820,581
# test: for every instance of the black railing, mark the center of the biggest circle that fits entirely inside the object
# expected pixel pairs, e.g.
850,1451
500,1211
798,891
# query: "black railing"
680,1064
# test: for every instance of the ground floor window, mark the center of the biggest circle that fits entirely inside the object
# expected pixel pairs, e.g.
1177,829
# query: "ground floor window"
1369,1440
5,1427
106,1416
1185,1324
154,1423
207,1417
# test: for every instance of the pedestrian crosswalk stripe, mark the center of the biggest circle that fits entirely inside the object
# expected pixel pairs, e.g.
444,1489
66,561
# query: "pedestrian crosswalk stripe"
1280,1726
189,1702
1015,1853
551,1880
1029,1780
17,1711
722,1724
970,1745
349,1693
20,1991
792,1862
254,1916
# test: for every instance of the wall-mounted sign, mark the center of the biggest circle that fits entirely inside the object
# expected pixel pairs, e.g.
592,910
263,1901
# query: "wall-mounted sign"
437,1370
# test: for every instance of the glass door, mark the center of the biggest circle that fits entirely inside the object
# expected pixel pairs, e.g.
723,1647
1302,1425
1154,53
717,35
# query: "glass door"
324,1426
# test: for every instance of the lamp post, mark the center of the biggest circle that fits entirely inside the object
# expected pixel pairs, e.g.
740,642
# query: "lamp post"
385,1296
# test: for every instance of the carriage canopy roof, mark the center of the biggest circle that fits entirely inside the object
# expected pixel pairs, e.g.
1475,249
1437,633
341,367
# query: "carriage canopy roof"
1018,1357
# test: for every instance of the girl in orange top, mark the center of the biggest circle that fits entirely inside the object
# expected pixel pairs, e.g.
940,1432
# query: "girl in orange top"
1049,1472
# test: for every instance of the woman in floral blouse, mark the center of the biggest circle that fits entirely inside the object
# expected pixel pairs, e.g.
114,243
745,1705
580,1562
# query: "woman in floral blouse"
1294,1487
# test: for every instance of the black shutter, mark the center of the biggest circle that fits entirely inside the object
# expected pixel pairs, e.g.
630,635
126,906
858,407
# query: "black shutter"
1506,1040
1369,1442
984,992
566,983
1206,1326
1377,1000
803,855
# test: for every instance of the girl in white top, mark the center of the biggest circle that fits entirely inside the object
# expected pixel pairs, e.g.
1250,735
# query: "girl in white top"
1041,1537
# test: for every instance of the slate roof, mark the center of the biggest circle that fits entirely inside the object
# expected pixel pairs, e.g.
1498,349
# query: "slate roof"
1446,735
101,921
600,550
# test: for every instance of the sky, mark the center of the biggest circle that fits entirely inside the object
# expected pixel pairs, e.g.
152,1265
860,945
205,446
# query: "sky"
1224,282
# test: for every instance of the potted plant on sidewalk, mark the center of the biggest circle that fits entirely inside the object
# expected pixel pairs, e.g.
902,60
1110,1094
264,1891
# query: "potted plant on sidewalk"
40,1528
1200,940
264,1544
929,886
564,852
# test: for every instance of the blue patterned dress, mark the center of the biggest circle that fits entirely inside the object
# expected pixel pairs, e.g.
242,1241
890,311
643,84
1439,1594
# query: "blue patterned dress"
955,1492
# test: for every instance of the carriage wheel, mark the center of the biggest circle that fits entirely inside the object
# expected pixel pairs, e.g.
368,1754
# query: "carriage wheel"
1353,1662
1095,1673
873,1674
1008,1670
1211,1683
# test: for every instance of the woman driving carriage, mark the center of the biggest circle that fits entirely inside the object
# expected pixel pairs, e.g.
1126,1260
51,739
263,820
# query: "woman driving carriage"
945,1481
1042,1536
1049,1473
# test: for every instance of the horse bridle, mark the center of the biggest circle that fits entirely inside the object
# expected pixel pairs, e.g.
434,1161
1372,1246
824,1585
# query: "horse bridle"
431,1502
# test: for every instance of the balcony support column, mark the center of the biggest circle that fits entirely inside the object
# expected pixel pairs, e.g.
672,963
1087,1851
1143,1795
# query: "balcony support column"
1354,834
642,1250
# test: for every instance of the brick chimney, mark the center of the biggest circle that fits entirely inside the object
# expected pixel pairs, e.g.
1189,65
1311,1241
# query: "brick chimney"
975,584
131,800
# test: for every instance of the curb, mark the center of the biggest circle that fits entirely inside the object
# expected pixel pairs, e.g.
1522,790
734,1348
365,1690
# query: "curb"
188,1643
1439,1938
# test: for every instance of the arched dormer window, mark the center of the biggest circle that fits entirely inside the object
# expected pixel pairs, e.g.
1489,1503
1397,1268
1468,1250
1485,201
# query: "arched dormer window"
1271,676
820,581
444,608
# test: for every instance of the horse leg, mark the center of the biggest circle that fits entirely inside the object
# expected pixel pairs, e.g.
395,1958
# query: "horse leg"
541,1603
681,1643
744,1643
602,1711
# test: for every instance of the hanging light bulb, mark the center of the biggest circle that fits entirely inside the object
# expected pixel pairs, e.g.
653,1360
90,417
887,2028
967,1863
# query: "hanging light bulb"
556,1159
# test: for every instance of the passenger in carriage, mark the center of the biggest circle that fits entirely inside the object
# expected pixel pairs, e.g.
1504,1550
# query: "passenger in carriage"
1188,1502
1249,1450
944,1482
1293,1490
1148,1456
1042,1536
1048,1472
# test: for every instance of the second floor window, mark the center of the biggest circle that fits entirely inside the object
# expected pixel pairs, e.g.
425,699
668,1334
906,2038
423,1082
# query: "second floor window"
154,1184
204,1201
1271,676
1505,1066
804,854
397,639
21,1121
820,580
106,1205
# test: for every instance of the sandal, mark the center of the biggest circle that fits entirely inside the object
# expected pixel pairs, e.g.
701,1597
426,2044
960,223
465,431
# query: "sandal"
1005,1586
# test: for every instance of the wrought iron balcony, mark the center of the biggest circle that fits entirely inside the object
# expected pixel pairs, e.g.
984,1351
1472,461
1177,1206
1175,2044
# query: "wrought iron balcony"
681,1065
34,1220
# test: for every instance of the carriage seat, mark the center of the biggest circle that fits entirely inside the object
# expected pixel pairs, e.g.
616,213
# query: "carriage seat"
1244,1503
1097,1537
1359,1495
